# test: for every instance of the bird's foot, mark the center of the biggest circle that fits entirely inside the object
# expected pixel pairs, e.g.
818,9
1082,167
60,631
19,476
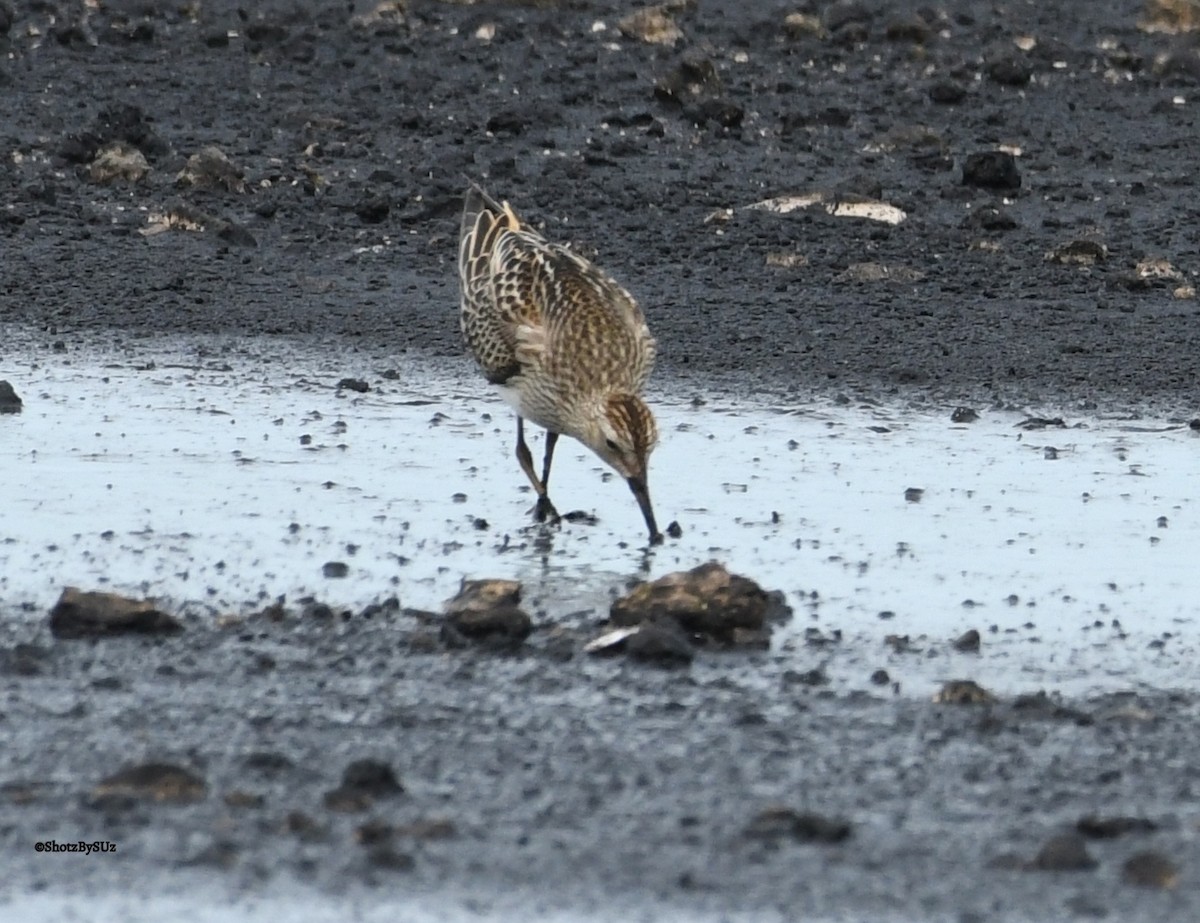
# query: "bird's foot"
544,511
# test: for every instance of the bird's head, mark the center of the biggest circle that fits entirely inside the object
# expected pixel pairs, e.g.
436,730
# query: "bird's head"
623,433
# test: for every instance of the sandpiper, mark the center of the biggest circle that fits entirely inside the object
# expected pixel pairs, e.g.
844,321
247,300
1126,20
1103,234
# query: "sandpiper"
566,345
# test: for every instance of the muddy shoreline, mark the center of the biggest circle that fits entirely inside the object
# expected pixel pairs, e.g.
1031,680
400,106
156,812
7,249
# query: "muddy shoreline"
540,783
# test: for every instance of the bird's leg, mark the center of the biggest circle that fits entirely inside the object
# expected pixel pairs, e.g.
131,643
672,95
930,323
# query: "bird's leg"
544,509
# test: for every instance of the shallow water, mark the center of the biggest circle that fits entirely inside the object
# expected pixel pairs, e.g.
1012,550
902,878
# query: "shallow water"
219,475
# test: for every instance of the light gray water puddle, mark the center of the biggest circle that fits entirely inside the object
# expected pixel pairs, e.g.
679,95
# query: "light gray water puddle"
216,477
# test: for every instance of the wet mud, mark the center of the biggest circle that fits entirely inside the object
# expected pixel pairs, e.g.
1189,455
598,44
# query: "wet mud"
923,283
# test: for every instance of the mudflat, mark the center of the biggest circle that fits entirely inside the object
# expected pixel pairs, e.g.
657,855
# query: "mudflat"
868,204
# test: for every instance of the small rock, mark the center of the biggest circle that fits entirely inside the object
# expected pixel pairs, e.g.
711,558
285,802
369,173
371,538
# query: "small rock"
363,782
353,384
962,692
373,209
161,782
803,25
335,569
79,614
652,25
118,161
706,600
779,823
947,92
9,401
814,677
1064,853
1079,253
210,168
660,642
880,678
914,494
1150,870
1035,423
1103,828
991,170
967,642
908,29
964,415
1009,70
693,78
488,609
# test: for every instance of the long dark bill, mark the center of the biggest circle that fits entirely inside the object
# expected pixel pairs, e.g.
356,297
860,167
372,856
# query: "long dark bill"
642,492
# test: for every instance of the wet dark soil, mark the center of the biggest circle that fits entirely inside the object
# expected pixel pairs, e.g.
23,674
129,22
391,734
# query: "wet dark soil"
349,137
344,135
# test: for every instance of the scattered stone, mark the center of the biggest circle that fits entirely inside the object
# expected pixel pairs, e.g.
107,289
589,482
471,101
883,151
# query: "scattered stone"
161,782
373,209
652,25
183,217
1079,253
967,642
1105,828
912,29
488,609
693,78
118,161
1170,16
990,218
385,18
10,402
675,530
880,678
877,272
660,642
1036,423
803,25
964,415
914,494
79,614
1153,272
706,600
1066,852
696,88
335,569
947,92
963,692
991,170
780,823
814,677
1150,870
210,168
363,783
1009,69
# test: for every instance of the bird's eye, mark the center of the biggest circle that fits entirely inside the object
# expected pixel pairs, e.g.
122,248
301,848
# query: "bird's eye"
612,445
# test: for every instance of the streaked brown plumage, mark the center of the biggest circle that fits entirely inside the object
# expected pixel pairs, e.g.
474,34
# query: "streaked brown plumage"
566,345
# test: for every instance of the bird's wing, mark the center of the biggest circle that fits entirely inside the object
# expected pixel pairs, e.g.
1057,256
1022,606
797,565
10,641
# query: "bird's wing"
489,274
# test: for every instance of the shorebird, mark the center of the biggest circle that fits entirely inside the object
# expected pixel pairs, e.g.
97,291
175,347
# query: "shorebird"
567,347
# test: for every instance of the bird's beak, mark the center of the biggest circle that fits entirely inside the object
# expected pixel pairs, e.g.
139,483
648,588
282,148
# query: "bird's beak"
637,483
